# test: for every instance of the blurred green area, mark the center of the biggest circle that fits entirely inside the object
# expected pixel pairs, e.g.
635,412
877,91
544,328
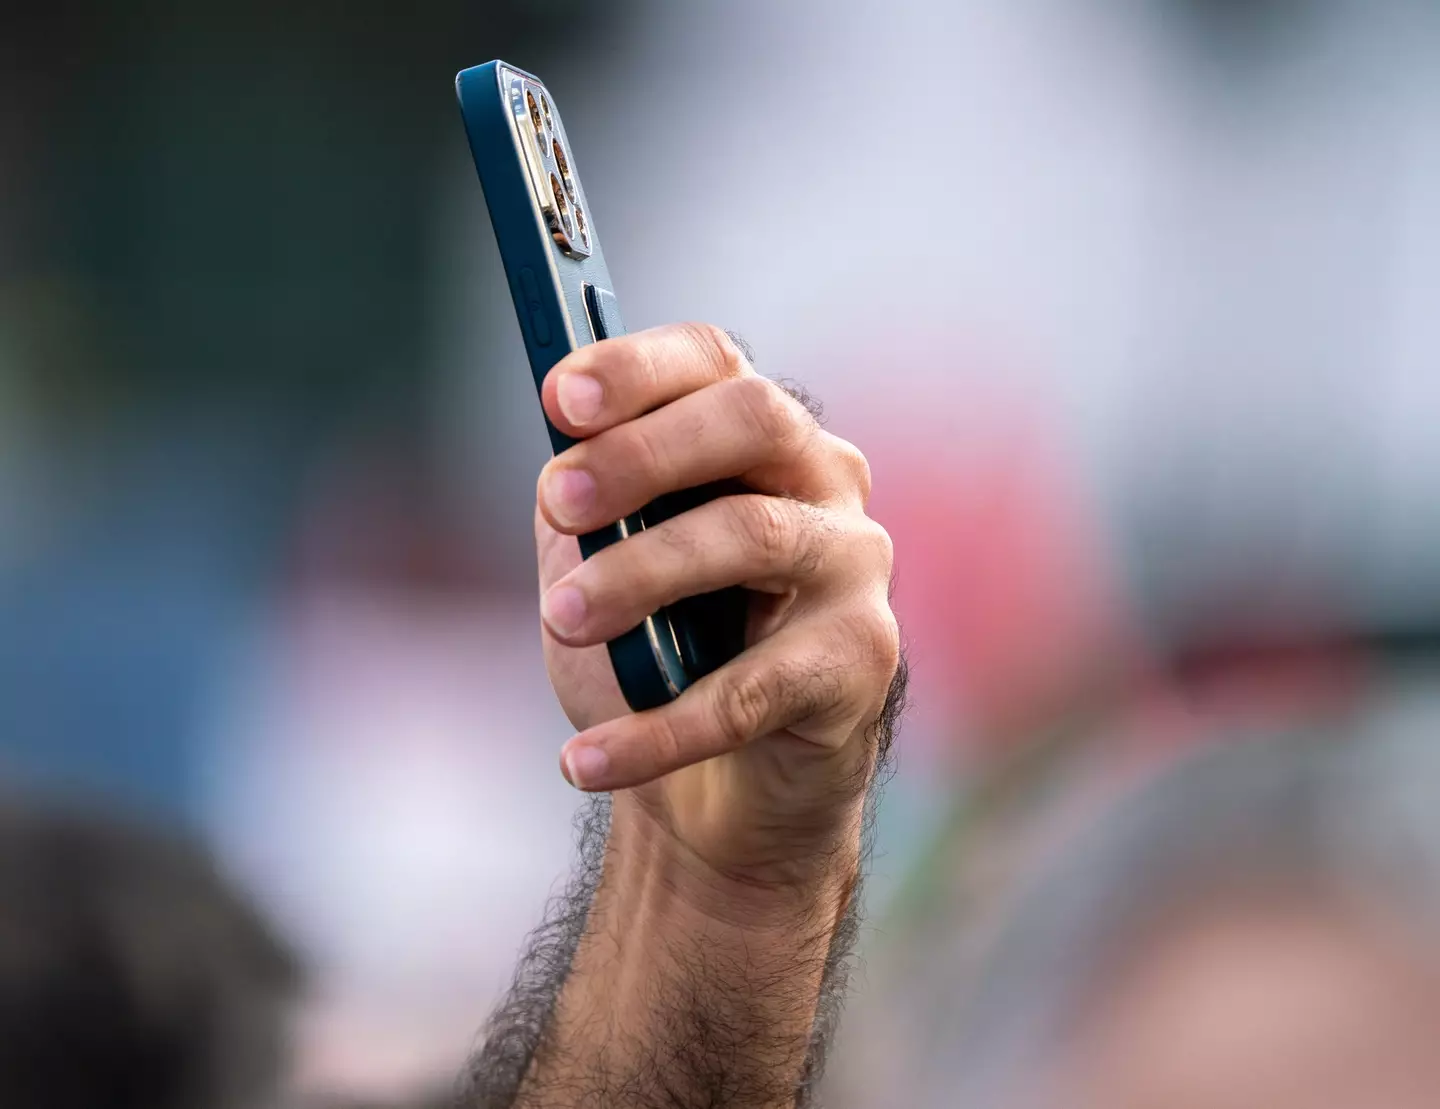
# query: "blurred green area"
217,272
236,197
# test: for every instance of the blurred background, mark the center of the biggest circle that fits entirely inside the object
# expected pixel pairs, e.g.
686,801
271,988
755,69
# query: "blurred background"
1132,305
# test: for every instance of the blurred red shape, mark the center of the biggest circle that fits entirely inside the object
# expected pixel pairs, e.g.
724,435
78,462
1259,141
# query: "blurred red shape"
1003,586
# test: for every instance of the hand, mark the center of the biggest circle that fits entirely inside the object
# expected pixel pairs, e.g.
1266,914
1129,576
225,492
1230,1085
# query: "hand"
692,968
757,768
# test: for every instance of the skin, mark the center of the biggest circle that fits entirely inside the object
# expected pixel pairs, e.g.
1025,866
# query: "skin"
736,821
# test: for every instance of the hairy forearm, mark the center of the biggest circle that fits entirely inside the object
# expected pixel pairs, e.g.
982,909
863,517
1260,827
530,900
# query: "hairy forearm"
657,982
688,988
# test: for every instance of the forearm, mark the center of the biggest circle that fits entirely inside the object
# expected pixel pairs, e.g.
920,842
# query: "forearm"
690,988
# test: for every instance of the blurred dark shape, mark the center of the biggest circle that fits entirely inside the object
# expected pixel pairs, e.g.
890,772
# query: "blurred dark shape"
1239,19
131,975
242,193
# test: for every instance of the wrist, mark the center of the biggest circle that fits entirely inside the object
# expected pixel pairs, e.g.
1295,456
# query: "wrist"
688,973
786,880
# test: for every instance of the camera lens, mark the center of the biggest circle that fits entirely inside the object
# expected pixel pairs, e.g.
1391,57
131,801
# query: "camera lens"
562,207
535,119
564,164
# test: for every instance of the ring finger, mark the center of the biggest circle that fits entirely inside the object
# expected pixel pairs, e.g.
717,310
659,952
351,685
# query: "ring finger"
769,544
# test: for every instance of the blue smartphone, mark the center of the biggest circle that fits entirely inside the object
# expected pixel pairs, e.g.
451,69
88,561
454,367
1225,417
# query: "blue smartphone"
564,298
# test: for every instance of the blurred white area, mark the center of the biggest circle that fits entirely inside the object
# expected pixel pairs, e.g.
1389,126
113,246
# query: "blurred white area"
383,776
1192,258
1209,250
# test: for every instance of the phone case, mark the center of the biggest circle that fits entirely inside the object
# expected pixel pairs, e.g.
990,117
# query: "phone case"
564,299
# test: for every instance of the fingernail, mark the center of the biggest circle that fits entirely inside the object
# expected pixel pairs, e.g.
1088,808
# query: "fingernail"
586,766
563,609
580,397
569,494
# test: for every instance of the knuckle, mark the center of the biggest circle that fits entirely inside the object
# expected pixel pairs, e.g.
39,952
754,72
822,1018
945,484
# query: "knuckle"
891,647
875,633
746,702
818,692
640,451
769,411
716,348
859,467
851,467
814,535
768,528
867,551
677,537
641,365
883,546
663,740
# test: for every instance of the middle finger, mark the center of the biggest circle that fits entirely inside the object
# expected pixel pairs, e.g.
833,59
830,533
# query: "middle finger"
745,427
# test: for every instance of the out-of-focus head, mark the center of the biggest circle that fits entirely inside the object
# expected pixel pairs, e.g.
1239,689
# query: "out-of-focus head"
131,976
1256,929
1281,1000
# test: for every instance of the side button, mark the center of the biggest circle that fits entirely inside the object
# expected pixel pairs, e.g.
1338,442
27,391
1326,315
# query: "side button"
539,327
529,287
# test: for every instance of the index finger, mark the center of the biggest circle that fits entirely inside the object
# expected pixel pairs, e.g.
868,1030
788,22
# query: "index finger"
615,380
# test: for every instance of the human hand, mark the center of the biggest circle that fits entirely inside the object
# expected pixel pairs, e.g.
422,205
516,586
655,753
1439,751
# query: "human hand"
763,764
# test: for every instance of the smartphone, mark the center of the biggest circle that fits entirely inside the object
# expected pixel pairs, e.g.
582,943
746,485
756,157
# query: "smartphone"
564,298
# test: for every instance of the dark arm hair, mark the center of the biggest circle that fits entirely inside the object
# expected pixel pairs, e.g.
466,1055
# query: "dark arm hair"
710,1057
